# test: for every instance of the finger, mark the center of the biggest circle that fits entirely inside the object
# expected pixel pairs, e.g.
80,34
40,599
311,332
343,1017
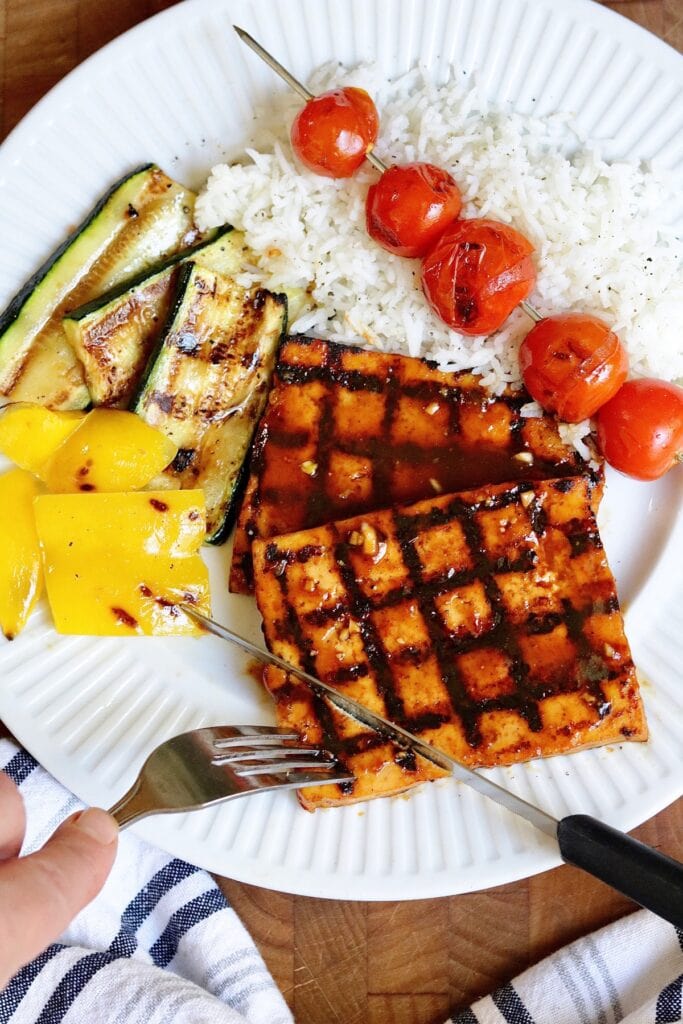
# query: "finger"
12,818
41,893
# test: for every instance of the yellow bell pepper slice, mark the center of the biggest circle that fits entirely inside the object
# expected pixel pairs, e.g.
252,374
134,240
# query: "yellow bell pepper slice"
111,450
21,571
29,434
118,564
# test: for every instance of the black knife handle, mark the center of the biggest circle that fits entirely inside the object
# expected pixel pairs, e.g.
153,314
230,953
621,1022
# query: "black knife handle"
634,869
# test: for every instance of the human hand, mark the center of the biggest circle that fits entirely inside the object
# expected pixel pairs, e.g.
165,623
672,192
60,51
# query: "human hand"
41,893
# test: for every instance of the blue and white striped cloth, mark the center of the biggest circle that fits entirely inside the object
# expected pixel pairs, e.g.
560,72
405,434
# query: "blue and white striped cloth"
154,912
630,972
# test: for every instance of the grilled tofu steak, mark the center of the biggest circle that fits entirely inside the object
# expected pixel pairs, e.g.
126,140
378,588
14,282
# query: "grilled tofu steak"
348,431
486,622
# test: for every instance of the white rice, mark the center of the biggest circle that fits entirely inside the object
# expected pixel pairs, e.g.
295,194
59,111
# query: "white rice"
597,227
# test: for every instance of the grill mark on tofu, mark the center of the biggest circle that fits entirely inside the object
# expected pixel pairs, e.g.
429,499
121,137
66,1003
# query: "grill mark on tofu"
502,635
372,644
584,541
317,501
492,627
405,530
591,666
385,457
348,431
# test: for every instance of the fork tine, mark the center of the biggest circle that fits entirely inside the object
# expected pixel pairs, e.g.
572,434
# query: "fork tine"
245,755
299,779
270,767
247,737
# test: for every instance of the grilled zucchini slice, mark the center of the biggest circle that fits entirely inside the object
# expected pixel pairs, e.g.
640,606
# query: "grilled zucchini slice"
143,218
208,384
114,335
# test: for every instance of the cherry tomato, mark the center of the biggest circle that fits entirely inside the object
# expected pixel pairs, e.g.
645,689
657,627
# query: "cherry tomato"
409,207
333,132
476,273
572,364
640,430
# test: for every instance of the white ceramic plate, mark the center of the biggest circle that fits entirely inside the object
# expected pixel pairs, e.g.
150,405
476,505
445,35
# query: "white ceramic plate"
180,89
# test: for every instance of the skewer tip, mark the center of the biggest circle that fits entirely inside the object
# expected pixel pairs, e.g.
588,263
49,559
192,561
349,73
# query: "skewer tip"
245,36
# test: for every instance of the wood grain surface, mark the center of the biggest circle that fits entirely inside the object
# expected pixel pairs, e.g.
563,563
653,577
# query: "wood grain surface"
357,963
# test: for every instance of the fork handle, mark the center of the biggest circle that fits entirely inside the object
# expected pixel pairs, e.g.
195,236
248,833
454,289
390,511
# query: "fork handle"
644,875
132,806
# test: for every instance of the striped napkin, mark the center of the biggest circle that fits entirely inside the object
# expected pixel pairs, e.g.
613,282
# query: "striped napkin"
154,912
630,971
159,912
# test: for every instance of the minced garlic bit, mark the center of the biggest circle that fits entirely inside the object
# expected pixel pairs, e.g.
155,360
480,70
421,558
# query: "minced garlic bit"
355,538
309,468
381,552
436,485
432,408
526,497
370,541
523,457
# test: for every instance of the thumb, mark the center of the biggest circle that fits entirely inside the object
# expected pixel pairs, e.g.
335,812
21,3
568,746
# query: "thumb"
40,894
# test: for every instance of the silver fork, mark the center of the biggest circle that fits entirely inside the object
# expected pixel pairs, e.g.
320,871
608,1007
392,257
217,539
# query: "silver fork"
207,766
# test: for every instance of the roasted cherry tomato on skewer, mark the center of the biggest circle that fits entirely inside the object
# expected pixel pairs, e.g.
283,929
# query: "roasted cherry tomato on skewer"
410,206
572,364
640,430
333,133
476,273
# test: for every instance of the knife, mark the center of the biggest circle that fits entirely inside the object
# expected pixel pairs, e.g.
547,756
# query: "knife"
643,874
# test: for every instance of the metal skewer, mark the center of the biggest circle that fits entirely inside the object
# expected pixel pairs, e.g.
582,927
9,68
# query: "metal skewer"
530,311
293,82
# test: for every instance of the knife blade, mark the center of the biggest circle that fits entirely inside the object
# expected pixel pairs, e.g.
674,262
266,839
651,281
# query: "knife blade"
510,801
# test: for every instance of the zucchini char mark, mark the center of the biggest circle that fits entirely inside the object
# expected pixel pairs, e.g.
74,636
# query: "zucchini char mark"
486,622
348,430
143,218
114,335
208,383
